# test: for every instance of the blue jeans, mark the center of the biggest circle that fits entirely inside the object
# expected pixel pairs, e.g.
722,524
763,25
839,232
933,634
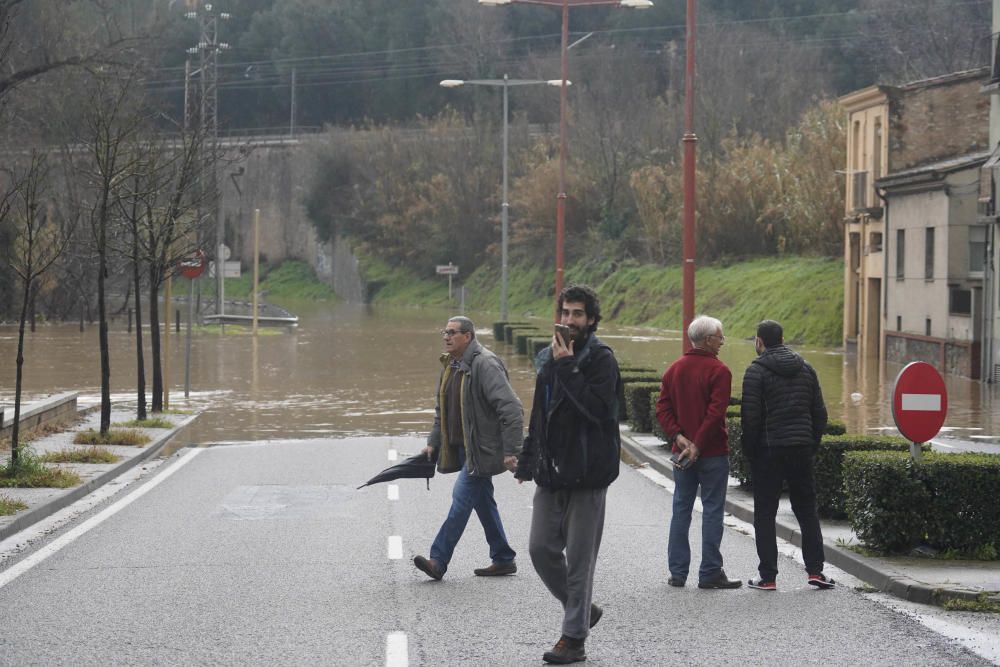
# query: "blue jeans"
471,493
712,475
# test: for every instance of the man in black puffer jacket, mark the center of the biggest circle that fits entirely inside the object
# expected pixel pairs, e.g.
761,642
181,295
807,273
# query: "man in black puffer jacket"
783,417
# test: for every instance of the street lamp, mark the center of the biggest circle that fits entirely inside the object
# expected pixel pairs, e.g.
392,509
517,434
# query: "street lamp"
504,83
690,141
563,103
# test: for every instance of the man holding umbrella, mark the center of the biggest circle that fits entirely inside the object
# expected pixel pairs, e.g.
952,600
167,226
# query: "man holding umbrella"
477,432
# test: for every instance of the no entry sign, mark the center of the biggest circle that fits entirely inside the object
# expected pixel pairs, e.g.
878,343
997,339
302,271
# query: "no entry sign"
919,402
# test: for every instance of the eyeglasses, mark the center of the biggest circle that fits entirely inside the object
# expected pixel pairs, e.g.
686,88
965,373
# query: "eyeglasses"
719,336
448,333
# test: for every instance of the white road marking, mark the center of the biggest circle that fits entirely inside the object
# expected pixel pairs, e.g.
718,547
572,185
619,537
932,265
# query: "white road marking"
393,491
396,650
922,402
69,537
395,547
393,455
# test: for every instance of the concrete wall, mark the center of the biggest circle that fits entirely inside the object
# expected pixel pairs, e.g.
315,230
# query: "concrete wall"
56,409
275,178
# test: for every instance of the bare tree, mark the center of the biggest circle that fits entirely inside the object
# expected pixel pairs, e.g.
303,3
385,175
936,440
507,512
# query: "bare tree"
38,243
919,39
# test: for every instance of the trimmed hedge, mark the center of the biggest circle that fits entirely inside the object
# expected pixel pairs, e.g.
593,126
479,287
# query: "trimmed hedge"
509,331
637,402
829,462
498,329
946,500
830,498
657,429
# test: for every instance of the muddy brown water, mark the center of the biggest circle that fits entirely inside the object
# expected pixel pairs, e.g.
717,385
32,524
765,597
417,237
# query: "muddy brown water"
353,370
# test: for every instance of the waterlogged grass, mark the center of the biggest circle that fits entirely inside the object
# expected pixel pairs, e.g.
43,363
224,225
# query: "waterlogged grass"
32,473
151,422
983,604
10,506
92,454
125,437
288,281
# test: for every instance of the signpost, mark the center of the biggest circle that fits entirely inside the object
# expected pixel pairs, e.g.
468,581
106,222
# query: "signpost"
449,270
919,404
191,268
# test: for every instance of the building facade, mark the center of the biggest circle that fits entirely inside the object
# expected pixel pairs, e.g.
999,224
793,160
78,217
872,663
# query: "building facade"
911,158
988,218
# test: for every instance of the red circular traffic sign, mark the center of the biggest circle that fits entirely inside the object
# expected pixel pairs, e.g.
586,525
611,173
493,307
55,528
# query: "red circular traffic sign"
193,266
919,402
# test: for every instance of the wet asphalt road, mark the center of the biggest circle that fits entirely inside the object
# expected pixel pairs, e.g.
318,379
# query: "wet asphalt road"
266,554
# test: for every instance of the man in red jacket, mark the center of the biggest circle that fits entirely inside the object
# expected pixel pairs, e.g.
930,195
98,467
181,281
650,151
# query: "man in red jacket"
691,409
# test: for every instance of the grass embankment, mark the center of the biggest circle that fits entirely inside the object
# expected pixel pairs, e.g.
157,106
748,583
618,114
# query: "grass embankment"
285,282
805,294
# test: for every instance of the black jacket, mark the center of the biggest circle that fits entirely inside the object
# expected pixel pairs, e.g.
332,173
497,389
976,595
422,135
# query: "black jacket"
782,403
573,439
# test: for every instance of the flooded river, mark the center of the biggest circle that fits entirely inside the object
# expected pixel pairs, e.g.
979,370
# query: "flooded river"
350,370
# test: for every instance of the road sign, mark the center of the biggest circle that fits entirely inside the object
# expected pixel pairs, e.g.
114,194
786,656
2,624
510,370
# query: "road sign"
193,266
919,402
447,270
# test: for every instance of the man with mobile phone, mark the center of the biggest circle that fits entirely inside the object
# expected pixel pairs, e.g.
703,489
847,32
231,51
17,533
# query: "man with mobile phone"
572,454
691,409
478,422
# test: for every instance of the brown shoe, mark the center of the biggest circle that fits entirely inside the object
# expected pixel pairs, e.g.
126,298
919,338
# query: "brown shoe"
567,650
496,570
428,567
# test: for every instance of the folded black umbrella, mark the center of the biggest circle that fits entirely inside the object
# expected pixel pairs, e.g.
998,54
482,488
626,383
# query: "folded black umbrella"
415,467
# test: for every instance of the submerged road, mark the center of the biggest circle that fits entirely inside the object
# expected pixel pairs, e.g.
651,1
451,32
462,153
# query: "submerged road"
266,554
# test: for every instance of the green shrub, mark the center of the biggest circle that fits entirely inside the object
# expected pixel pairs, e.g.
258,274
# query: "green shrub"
510,331
739,467
834,427
637,395
830,499
884,501
964,492
498,329
945,501
521,337
627,367
657,429
536,345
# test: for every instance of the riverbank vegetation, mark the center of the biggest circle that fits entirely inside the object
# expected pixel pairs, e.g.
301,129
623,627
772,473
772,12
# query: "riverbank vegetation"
804,293
282,282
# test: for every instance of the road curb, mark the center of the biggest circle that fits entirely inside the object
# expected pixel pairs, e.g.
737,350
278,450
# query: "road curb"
49,508
864,568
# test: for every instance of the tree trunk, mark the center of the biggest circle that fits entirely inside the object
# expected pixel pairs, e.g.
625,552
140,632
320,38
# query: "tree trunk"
102,267
140,363
15,432
154,339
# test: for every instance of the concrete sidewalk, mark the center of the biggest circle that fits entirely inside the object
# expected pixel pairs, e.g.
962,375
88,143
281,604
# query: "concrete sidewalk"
922,580
43,502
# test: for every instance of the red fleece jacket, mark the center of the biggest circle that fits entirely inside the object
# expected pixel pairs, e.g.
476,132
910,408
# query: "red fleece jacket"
693,399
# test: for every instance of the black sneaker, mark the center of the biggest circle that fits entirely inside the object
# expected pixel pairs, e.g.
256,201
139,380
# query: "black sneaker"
762,585
567,650
821,581
720,581
676,582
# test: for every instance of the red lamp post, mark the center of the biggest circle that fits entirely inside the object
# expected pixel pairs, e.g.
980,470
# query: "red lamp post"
563,105
689,141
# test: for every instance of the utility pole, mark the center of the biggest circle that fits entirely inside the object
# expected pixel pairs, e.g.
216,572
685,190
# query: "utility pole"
208,50
292,113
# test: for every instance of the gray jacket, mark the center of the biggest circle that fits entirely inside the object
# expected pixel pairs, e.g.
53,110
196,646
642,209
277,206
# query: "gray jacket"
492,415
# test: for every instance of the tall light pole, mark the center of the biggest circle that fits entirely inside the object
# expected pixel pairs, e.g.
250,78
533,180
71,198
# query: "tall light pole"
564,5
690,142
505,83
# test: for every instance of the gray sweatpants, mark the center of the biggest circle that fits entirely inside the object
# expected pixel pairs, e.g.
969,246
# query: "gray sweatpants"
570,521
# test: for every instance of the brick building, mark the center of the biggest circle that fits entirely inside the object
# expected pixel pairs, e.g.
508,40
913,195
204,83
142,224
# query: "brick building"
912,158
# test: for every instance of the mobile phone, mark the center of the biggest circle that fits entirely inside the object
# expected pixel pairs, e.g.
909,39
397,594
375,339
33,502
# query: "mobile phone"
565,333
683,464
